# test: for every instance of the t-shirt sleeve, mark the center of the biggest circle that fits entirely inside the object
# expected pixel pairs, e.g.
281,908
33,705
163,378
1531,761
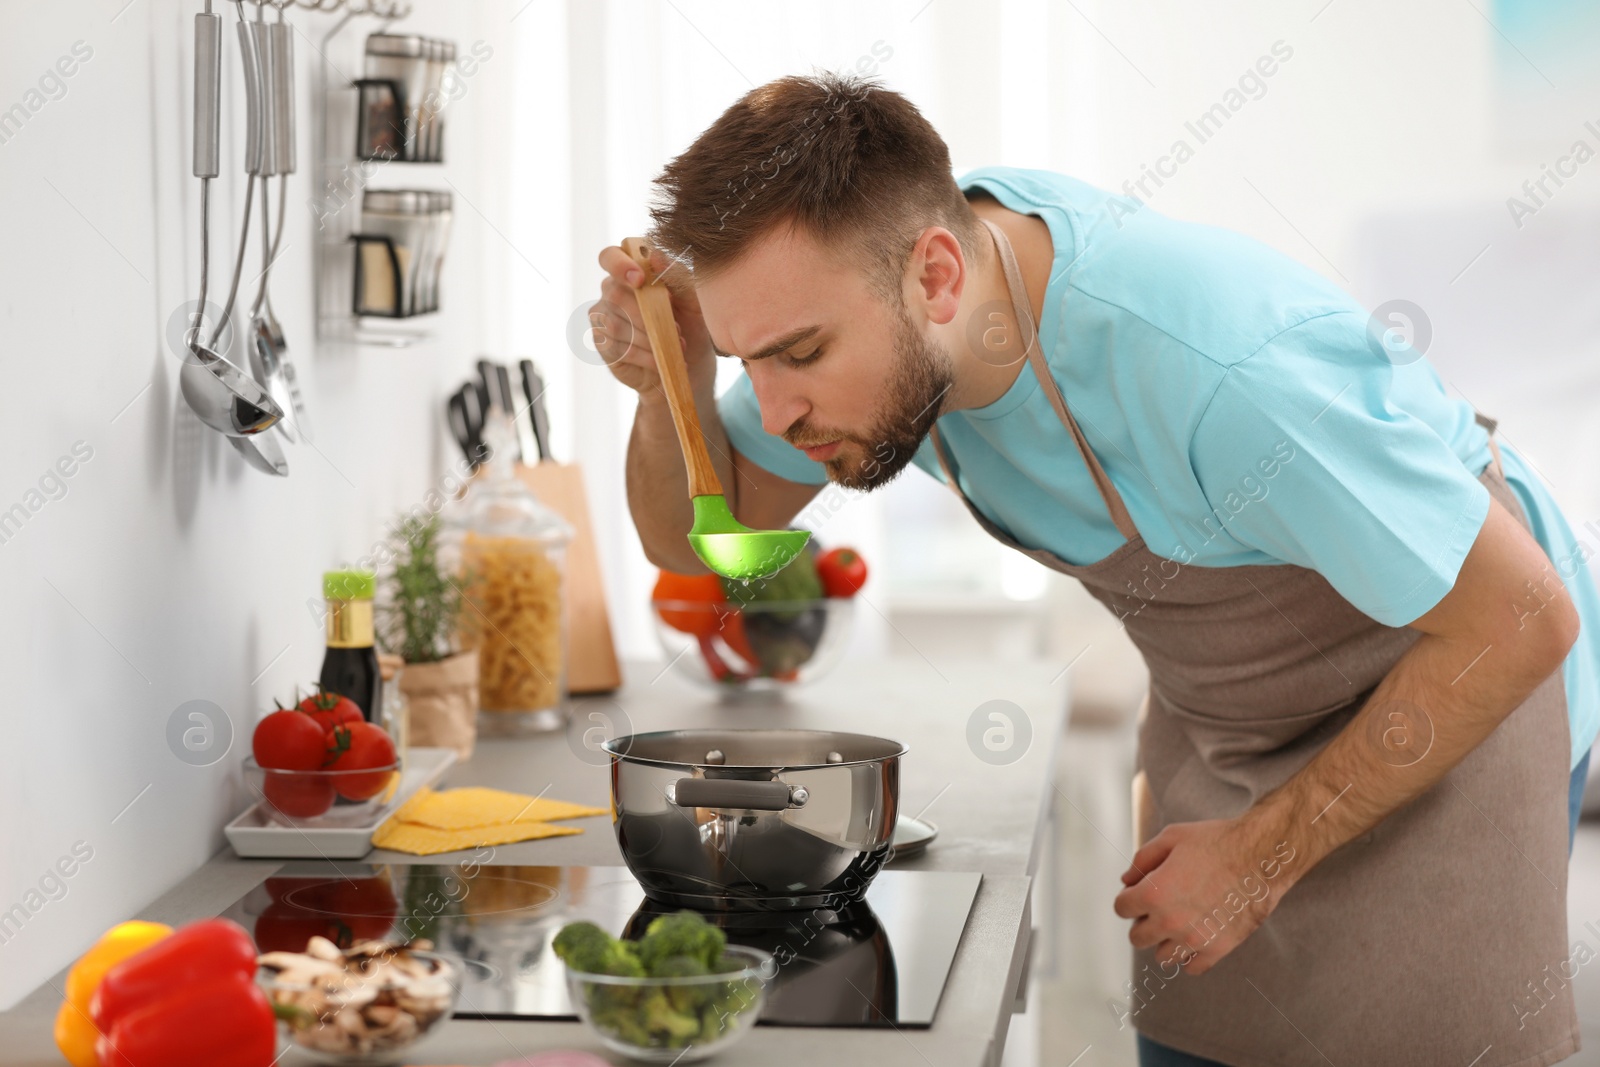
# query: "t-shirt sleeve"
741,416
1302,456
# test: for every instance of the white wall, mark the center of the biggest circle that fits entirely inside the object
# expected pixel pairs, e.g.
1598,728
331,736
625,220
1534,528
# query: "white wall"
168,572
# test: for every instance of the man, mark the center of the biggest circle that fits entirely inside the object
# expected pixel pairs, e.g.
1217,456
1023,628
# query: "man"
1367,683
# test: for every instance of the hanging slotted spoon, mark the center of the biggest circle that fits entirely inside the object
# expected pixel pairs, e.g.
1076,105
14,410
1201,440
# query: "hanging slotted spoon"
271,363
722,542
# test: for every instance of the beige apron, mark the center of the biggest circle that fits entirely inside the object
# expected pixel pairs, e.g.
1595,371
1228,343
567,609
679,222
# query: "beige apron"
1436,938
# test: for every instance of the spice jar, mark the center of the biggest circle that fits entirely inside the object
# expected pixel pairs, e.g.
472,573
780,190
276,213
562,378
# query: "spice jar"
438,224
511,552
403,61
393,225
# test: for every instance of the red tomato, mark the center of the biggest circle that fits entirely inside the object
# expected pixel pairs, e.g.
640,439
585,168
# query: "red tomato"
289,741
843,572
360,746
331,709
692,599
299,796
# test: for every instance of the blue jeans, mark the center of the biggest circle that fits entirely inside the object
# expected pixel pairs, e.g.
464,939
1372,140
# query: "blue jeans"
1152,1054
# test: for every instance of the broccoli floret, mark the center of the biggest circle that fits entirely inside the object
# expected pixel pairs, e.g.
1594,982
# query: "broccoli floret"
623,1023
712,1023
587,948
680,967
684,933
580,944
689,998
661,1017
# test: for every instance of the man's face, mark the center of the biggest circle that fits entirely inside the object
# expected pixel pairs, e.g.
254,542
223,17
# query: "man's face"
838,370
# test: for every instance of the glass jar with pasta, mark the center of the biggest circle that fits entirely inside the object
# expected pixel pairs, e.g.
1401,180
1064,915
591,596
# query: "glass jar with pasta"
511,553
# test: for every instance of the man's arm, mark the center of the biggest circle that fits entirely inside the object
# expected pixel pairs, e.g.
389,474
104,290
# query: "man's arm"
1484,647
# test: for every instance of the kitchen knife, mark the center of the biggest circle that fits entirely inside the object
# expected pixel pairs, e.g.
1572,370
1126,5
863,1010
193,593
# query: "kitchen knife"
489,377
520,417
488,386
533,389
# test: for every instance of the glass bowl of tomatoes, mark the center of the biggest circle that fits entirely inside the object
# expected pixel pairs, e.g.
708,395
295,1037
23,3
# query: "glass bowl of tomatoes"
320,763
322,797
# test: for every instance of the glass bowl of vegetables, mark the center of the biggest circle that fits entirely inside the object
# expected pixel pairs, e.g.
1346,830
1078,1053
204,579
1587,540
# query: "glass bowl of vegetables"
365,1005
769,634
321,798
679,994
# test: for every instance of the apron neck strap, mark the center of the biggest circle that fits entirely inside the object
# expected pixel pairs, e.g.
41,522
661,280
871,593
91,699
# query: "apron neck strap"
1028,329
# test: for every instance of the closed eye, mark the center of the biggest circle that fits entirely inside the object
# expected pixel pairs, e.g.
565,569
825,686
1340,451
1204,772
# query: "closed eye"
805,361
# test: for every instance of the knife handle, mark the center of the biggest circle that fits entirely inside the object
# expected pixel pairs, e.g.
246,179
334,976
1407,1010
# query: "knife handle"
533,389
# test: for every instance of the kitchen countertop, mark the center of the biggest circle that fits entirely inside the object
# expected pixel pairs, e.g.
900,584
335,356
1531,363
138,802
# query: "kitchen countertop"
991,817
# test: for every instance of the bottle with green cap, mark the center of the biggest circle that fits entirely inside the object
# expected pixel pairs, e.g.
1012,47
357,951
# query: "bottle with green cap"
350,667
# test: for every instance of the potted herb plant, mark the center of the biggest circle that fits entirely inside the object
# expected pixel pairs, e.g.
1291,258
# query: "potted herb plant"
418,612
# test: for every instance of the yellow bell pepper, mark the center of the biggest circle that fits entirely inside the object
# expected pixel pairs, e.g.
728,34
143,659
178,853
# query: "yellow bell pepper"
75,1033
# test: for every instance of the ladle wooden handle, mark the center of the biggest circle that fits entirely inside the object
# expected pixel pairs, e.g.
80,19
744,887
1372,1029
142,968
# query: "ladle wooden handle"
655,305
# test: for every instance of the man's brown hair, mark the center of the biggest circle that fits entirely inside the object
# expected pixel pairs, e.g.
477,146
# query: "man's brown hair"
844,159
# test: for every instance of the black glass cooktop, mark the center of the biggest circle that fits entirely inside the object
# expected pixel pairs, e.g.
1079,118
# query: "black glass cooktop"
881,962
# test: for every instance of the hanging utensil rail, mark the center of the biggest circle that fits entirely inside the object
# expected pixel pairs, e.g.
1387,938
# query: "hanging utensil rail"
383,9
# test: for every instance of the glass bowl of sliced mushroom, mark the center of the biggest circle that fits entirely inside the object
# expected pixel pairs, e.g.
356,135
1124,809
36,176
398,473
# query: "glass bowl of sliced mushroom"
367,1004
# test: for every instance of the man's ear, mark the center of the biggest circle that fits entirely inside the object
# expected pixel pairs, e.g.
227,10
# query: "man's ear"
937,275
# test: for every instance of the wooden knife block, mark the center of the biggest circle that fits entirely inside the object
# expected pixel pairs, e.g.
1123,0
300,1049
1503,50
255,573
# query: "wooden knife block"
592,653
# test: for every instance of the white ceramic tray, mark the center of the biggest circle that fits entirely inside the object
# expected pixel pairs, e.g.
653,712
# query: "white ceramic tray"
254,835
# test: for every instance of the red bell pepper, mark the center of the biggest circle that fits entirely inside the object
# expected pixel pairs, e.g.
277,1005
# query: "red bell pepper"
202,952
223,1023
189,999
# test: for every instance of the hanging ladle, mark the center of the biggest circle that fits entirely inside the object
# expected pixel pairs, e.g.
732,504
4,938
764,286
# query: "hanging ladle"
270,351
222,396
722,542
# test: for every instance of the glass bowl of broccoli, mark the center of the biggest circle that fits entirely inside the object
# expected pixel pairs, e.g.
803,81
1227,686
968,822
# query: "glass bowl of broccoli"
678,994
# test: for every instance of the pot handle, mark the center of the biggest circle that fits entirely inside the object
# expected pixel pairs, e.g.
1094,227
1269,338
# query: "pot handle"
734,793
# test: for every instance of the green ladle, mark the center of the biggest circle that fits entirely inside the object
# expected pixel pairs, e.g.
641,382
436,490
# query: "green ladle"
722,542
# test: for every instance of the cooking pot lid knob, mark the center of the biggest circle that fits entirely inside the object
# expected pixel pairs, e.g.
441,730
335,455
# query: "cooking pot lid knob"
798,795
716,756
834,757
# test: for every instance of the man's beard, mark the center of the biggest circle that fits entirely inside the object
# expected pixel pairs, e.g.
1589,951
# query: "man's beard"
912,404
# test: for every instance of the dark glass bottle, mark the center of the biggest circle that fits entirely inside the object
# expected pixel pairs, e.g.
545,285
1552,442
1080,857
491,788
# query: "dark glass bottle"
350,667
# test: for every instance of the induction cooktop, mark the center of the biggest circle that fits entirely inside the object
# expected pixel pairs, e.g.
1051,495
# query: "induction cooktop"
880,962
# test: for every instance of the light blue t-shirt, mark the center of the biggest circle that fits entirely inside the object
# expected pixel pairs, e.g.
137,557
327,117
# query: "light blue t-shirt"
1245,412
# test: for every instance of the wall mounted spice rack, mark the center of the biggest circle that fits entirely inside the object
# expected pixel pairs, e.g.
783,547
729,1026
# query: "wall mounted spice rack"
379,250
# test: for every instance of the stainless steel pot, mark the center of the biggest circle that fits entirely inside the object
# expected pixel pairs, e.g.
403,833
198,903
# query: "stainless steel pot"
729,820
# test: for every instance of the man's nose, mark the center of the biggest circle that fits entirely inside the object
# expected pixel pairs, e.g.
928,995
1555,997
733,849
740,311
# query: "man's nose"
781,408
